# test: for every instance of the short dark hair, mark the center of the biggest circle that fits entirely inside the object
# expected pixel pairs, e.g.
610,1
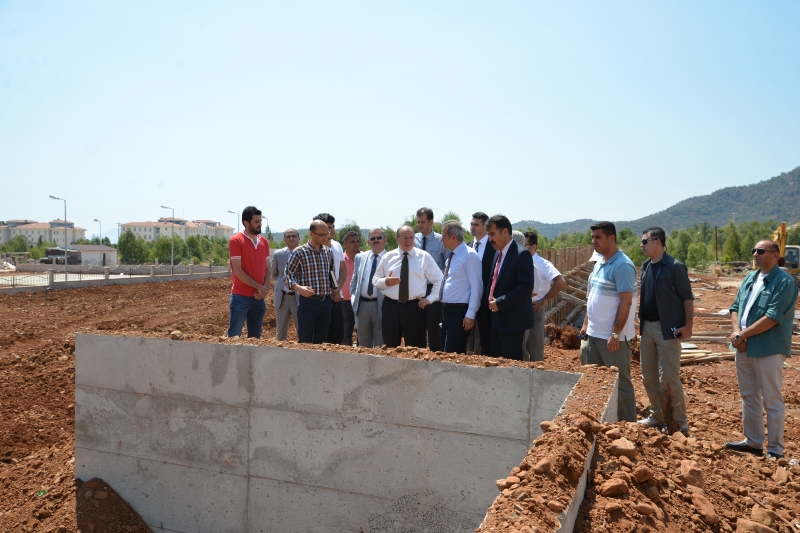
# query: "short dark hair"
248,212
532,238
657,233
351,233
326,218
480,215
500,222
607,227
425,211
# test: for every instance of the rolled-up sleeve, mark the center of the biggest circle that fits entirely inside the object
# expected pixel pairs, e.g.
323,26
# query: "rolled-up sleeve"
781,301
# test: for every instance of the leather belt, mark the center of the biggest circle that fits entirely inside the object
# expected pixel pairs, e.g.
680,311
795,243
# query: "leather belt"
368,299
414,301
288,292
314,297
455,305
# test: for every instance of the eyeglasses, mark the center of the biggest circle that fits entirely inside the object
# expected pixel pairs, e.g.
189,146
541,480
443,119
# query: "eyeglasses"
373,239
761,251
406,238
645,241
291,236
320,234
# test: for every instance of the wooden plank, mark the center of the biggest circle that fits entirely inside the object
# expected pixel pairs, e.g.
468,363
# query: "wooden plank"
571,299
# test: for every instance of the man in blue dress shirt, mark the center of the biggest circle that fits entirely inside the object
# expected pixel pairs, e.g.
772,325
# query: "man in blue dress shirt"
461,289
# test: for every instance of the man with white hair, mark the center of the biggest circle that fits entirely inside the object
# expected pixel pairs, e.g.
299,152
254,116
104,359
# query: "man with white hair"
461,288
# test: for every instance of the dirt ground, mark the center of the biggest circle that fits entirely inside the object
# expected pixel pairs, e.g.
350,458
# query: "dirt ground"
38,491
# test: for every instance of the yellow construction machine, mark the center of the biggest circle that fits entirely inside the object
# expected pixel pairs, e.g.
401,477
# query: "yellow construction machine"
789,254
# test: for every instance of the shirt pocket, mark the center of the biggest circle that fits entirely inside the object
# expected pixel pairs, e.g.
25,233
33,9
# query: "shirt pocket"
763,299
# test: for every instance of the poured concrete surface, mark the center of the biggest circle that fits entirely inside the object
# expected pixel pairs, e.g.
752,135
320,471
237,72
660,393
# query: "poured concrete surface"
213,437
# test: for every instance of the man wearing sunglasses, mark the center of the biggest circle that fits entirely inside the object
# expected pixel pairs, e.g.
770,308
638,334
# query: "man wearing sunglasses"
666,315
761,317
365,297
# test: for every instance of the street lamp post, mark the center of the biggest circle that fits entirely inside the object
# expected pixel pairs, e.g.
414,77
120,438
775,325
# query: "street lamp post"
66,259
118,226
172,258
101,231
237,219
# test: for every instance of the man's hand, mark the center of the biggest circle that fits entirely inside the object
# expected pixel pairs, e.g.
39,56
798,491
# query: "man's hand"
304,291
538,305
337,296
493,305
257,295
468,323
684,333
613,344
422,301
262,290
391,281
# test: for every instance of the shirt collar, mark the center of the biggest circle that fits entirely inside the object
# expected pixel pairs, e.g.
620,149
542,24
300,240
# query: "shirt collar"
612,259
504,251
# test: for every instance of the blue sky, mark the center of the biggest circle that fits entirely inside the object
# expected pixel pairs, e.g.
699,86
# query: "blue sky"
368,110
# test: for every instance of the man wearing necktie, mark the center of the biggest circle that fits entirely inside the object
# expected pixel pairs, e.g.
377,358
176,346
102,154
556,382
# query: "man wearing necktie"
404,276
509,291
364,296
482,343
431,242
461,288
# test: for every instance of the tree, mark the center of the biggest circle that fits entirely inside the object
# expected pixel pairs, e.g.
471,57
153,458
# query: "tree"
161,249
132,250
350,225
18,245
732,250
697,255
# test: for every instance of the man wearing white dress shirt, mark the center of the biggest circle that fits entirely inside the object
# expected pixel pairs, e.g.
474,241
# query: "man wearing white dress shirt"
365,298
404,275
461,289
547,283
336,329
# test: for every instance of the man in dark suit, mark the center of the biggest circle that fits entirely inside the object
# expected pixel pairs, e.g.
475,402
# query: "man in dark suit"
482,343
510,288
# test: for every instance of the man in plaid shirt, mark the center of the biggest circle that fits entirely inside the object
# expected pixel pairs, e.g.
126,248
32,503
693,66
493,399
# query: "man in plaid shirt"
310,273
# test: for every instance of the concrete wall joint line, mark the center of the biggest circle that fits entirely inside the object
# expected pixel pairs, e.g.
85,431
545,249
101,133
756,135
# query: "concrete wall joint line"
163,396
160,461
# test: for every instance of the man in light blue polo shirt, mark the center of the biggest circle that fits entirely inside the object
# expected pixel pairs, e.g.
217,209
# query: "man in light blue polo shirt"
608,327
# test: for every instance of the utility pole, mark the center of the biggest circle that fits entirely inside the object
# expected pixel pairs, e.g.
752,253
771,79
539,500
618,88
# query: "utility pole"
118,226
237,219
716,245
172,258
66,259
101,231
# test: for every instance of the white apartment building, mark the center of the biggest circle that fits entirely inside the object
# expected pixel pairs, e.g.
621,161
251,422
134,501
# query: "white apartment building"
52,231
183,228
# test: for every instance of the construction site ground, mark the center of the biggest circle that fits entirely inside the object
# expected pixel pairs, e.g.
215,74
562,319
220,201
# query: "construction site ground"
688,484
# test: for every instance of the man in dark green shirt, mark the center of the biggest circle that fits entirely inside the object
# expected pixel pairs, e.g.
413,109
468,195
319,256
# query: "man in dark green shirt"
761,317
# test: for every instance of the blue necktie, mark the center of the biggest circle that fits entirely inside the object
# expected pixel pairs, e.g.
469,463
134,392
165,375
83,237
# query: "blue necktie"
424,242
372,273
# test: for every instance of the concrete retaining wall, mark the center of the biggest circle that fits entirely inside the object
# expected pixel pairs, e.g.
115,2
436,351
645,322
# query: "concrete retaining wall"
213,437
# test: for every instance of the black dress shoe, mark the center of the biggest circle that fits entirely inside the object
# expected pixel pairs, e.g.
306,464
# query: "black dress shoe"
771,455
743,447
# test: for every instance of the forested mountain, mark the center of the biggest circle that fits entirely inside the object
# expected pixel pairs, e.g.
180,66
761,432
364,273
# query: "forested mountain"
777,198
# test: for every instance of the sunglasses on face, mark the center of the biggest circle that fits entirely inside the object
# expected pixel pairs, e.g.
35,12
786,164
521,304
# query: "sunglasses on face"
645,241
760,251
373,239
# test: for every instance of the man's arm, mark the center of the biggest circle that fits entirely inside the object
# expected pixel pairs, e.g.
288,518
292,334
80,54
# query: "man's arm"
625,302
473,264
274,267
289,273
522,290
558,283
355,278
432,273
688,310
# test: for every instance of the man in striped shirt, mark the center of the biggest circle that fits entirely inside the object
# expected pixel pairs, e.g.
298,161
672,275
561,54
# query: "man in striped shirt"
310,273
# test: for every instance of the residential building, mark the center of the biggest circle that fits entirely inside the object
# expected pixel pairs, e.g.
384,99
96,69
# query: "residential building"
183,228
52,231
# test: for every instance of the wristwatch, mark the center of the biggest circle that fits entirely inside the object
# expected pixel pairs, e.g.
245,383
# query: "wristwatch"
615,335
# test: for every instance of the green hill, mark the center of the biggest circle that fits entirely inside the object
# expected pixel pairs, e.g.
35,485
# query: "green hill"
777,198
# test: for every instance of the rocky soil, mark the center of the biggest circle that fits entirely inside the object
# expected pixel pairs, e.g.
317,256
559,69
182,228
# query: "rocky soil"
695,483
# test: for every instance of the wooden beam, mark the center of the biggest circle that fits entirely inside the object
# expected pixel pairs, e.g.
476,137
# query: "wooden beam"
571,299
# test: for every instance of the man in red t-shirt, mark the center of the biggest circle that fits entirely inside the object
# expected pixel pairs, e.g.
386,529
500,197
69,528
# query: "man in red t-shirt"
249,251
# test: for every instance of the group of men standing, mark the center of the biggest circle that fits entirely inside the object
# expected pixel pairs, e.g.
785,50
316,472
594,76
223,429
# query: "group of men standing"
435,290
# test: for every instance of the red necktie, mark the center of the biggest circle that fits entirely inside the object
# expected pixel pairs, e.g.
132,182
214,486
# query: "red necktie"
496,271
